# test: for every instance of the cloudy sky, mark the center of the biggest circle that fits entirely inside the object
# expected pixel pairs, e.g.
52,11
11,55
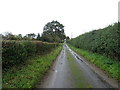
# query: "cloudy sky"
78,16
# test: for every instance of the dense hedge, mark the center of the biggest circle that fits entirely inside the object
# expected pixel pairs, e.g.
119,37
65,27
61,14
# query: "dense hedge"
103,41
44,47
16,52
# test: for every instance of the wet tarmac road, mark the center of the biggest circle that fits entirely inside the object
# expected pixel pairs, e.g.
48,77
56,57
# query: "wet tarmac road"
70,71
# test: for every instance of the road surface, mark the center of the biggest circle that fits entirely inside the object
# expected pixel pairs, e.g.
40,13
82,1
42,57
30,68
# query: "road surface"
70,71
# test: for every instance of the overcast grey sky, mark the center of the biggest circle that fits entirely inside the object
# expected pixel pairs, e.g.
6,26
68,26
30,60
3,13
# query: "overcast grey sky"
78,16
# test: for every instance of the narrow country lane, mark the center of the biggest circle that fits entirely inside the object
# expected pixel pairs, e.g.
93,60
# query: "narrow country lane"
70,71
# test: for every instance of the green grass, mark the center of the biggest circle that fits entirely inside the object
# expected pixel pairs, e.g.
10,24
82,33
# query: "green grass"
80,80
111,67
28,75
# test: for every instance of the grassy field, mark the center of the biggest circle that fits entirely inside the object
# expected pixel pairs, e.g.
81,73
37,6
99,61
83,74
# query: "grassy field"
111,67
28,75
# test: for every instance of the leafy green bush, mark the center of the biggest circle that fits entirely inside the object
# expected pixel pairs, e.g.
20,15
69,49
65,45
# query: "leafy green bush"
103,41
28,75
44,47
16,52
30,48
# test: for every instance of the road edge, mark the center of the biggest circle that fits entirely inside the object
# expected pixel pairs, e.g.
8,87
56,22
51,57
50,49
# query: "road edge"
40,83
99,72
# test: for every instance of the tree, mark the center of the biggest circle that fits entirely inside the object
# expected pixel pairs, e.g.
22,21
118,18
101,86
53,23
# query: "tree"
25,38
38,37
31,35
9,36
67,38
20,36
53,32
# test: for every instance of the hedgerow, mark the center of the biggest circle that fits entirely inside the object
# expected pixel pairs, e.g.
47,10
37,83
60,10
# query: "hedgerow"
31,73
44,47
17,52
103,41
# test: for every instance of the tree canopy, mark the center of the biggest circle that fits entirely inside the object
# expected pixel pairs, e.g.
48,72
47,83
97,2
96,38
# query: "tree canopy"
53,32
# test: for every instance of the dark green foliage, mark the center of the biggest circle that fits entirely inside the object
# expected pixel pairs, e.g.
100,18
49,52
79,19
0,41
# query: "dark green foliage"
17,52
44,47
31,36
103,41
53,32
38,37
47,47
29,74
30,48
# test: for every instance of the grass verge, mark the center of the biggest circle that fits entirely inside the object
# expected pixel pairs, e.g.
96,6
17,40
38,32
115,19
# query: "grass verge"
111,67
27,76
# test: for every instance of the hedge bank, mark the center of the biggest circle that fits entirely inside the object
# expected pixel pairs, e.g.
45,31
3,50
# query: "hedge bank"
16,52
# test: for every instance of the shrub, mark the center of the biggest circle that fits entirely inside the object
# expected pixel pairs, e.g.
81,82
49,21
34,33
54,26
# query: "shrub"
103,41
44,47
17,52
